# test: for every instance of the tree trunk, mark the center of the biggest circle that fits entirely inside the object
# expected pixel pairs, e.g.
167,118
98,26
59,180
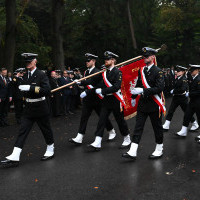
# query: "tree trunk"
131,25
57,39
10,42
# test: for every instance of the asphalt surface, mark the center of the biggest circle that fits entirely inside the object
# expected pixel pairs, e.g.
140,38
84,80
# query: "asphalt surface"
76,174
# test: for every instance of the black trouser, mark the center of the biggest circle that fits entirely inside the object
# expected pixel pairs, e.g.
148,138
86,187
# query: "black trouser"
192,108
156,122
106,109
86,113
26,125
3,110
181,101
18,103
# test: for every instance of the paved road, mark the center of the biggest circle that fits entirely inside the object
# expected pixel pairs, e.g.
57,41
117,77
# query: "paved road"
76,174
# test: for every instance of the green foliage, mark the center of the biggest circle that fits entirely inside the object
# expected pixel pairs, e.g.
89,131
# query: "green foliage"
99,25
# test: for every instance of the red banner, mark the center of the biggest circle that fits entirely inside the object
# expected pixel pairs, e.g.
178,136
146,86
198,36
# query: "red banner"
129,80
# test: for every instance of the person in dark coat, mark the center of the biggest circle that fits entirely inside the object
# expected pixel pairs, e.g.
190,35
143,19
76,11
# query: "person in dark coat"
179,98
5,96
36,88
91,102
109,87
193,106
66,92
150,85
55,98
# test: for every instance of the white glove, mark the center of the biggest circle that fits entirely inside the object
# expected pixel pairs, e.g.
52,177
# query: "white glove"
187,94
98,91
24,87
171,91
137,91
77,81
83,94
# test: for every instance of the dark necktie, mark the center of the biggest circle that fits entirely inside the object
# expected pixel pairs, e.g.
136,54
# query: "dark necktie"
29,74
145,70
4,80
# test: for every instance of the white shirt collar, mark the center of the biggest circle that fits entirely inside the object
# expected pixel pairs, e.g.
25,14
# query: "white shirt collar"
33,71
179,77
195,76
91,69
149,67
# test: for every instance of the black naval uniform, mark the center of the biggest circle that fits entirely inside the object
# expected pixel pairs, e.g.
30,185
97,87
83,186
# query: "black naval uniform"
91,102
147,106
111,104
193,106
36,111
17,98
179,98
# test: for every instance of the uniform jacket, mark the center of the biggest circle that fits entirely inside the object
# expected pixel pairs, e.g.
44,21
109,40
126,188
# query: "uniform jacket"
17,94
194,90
5,90
181,86
115,78
40,87
94,81
155,80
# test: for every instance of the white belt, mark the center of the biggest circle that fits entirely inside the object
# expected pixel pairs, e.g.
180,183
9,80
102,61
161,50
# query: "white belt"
35,100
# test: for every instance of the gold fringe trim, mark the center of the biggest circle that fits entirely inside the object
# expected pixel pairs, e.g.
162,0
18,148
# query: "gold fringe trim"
130,116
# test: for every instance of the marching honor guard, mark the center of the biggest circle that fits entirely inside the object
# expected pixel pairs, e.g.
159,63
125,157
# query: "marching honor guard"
91,102
35,88
109,87
179,98
150,85
193,106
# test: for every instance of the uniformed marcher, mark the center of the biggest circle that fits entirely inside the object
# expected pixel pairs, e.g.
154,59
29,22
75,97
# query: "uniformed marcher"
109,86
36,88
193,106
180,98
91,101
18,94
150,85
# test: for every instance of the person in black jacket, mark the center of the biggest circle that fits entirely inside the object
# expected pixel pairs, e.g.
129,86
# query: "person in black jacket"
36,88
179,98
55,97
193,106
91,102
109,86
147,105
17,94
5,96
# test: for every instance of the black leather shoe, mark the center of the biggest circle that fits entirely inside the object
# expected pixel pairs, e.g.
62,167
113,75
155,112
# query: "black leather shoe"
154,157
45,158
197,139
93,148
124,147
9,163
179,136
165,130
73,142
126,155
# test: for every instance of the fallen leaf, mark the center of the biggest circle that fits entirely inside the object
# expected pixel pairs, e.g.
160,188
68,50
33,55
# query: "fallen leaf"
169,173
36,180
193,171
96,187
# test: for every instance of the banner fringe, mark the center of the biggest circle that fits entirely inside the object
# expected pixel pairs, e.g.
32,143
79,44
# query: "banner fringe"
130,116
